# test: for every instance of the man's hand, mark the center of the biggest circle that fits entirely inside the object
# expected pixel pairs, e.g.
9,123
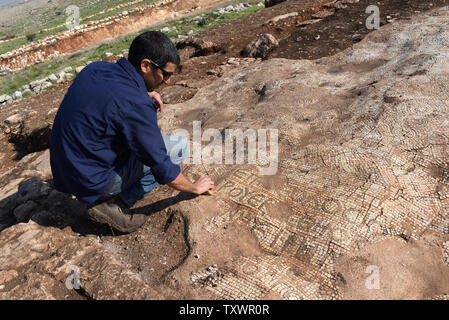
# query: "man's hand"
203,184
157,98
200,186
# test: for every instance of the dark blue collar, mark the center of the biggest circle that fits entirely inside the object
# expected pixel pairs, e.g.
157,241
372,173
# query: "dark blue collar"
129,68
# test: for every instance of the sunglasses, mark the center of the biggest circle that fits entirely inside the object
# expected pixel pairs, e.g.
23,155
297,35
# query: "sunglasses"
165,74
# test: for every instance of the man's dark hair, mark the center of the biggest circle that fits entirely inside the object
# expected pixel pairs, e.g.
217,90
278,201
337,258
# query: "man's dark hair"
153,45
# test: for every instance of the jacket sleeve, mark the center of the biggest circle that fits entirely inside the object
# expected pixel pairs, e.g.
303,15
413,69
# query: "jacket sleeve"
144,138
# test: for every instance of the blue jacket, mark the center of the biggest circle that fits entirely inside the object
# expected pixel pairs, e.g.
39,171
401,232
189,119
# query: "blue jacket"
105,115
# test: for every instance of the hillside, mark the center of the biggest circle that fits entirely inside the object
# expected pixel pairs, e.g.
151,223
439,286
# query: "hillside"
360,181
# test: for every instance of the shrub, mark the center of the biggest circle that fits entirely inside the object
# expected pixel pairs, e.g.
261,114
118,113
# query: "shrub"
31,37
202,22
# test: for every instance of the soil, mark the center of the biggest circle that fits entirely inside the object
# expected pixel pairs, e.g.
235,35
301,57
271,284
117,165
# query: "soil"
345,27
395,269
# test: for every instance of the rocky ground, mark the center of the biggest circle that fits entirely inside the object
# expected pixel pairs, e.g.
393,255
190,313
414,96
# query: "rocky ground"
362,170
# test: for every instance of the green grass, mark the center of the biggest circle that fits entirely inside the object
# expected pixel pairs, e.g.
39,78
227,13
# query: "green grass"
26,95
183,26
58,22
12,44
11,83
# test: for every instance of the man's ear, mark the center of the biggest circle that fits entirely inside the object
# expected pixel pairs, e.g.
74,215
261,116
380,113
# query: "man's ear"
145,66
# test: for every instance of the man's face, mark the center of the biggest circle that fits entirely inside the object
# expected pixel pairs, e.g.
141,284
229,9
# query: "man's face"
154,76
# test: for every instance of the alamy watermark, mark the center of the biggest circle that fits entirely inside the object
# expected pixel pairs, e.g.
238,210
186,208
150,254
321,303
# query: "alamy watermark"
258,143
373,20
73,280
373,281
73,17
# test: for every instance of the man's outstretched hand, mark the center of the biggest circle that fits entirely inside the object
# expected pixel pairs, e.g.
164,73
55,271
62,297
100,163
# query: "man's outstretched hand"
157,98
200,186
203,184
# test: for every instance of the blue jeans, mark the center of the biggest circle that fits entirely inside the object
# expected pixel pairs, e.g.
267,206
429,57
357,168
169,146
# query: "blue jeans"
134,180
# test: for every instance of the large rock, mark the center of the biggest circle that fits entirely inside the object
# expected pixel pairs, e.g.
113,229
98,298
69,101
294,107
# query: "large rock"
35,83
27,194
270,3
35,165
202,47
22,186
52,78
4,98
45,85
17,95
14,119
260,47
37,89
281,17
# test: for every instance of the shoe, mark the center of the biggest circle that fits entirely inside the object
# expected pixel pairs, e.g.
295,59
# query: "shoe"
115,213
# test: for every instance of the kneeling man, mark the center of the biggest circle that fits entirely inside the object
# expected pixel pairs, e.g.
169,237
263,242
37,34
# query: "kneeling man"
106,147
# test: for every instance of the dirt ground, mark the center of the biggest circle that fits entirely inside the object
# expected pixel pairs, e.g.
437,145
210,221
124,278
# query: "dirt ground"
347,26
404,269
